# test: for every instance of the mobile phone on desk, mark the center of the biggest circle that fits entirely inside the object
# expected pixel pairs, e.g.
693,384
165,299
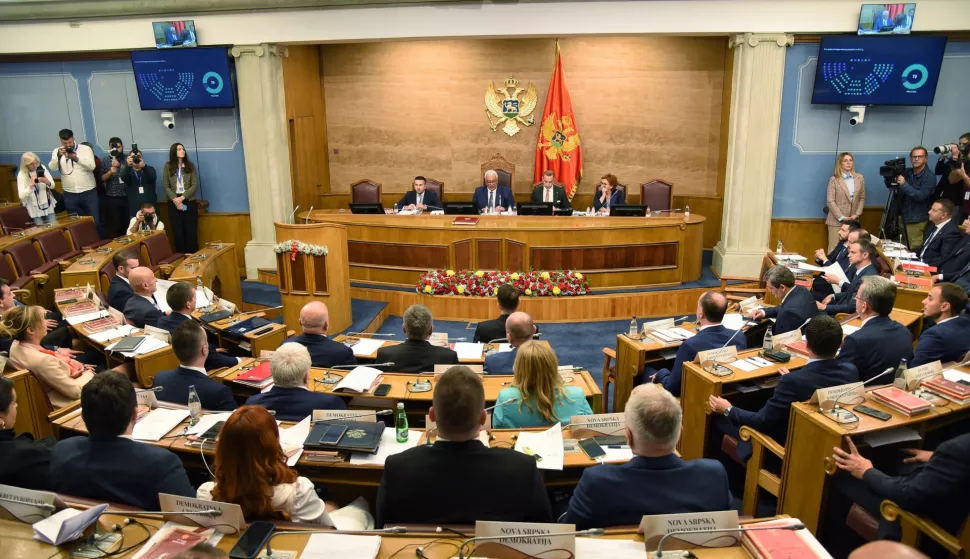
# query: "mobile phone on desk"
382,390
592,449
252,540
333,435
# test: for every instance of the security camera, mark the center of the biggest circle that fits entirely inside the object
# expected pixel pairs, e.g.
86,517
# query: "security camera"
168,120
858,114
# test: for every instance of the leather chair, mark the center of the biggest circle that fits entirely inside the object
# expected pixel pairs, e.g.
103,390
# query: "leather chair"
55,248
366,192
883,265
504,168
105,275
160,256
84,235
437,187
626,193
8,273
657,194
14,219
27,262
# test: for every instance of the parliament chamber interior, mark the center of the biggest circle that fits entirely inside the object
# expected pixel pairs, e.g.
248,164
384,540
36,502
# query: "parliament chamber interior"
694,285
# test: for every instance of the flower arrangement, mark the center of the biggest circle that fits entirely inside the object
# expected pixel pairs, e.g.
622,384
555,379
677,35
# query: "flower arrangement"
479,283
294,247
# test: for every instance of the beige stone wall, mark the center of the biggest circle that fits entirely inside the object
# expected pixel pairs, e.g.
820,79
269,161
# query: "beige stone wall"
647,107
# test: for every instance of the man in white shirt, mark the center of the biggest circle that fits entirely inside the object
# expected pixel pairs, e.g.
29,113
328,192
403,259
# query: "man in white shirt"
549,192
76,164
145,220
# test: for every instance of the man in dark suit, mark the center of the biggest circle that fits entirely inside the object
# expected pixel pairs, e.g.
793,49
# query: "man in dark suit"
519,329
416,354
458,479
191,349
491,196
797,304
710,312
315,321
142,308
656,480
862,255
949,339
107,465
181,299
958,264
882,342
419,198
290,398
119,291
488,330
824,336
839,255
942,236
549,191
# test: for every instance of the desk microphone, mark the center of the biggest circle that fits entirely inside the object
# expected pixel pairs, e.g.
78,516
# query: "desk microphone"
686,553
293,214
512,400
836,408
716,368
152,389
391,530
16,232
347,417
211,513
355,334
307,220
590,532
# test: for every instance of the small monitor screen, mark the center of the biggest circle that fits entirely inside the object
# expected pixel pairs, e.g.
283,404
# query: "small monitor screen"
169,34
183,79
886,19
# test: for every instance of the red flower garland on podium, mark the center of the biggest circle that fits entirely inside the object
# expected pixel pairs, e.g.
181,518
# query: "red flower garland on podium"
479,283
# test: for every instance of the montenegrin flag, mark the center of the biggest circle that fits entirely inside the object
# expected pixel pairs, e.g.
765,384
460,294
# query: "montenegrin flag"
558,148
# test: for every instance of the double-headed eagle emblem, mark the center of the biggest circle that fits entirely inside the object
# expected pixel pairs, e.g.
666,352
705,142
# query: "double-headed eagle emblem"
559,137
511,108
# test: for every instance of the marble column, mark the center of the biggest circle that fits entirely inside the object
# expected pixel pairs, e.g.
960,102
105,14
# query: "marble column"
262,113
756,82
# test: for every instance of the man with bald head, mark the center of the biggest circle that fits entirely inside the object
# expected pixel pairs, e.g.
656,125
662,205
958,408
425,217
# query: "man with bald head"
519,329
324,352
142,308
492,197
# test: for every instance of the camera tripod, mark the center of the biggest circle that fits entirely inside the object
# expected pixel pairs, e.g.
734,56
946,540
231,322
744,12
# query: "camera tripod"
892,226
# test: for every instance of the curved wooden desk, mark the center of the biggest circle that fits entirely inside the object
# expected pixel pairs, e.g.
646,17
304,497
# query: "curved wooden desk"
85,270
216,264
613,252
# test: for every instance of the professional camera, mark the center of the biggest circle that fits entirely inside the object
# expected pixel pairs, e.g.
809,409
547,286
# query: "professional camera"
945,149
116,152
892,169
135,154
40,174
69,149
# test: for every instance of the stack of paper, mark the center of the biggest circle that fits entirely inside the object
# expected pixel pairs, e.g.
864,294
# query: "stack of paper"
158,423
546,447
117,332
291,440
360,380
366,346
469,351
67,525
389,447
327,546
78,319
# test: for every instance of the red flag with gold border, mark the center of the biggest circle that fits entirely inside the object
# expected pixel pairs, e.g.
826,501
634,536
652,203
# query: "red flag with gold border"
558,148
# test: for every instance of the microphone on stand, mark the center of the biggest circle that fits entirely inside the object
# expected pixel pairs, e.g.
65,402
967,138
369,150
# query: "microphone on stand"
836,408
686,553
427,436
590,532
330,379
307,220
357,334
293,214
717,369
152,389
348,417
391,530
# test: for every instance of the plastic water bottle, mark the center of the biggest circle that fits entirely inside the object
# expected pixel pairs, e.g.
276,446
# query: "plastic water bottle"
195,406
766,345
648,211
779,248
634,329
899,380
686,212
401,423
589,210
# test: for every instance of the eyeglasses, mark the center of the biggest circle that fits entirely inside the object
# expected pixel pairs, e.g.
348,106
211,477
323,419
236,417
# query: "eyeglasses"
917,157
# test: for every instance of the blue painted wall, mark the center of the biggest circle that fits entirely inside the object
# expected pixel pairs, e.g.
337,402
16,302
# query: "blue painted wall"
811,136
97,100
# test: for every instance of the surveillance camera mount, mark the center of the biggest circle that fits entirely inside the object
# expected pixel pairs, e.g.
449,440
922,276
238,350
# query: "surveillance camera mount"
859,114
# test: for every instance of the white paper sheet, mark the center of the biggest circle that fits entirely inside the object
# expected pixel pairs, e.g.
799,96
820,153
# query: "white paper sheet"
389,447
599,548
358,380
547,444
624,454
294,437
502,348
328,546
836,270
956,376
118,332
158,423
467,350
66,525
680,333
208,420
161,290
75,320
366,346
744,365
810,267
848,329
733,321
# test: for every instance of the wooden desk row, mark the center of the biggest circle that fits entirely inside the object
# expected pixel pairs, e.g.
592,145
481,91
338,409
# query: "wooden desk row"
85,270
373,355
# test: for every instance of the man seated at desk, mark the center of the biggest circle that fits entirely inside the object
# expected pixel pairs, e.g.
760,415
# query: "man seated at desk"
656,480
710,335
839,255
949,339
290,398
824,336
829,280
956,268
797,304
119,291
862,255
494,329
416,354
549,192
324,352
108,465
519,329
942,236
191,349
142,308
419,198
181,299
881,342
491,197
458,479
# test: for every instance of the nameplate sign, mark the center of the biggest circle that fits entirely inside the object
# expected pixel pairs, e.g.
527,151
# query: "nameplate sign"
227,519
158,333
146,398
583,426
439,339
266,354
846,394
924,372
727,354
25,505
659,324
116,315
657,526
748,305
781,340
89,294
514,540
355,415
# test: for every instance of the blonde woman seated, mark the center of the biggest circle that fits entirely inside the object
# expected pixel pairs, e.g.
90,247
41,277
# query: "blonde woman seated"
251,471
543,398
61,375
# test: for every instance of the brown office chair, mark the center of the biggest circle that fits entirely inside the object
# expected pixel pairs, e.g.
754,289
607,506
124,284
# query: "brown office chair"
437,187
160,255
502,166
8,273
883,265
84,235
622,188
105,275
55,248
914,527
366,192
657,194
27,262
14,219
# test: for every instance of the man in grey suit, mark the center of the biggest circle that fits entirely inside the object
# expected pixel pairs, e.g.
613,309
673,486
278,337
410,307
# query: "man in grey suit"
549,191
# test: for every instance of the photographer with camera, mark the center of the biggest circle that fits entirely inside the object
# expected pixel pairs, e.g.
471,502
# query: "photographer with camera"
140,179
145,220
916,185
76,164
952,160
34,186
115,199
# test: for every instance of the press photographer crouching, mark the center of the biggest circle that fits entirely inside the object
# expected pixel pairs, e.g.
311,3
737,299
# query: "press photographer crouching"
953,167
146,220
915,186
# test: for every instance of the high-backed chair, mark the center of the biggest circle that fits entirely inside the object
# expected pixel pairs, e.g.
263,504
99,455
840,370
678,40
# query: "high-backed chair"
502,166
626,193
34,404
437,187
14,219
914,527
55,248
883,265
366,192
159,254
84,235
105,275
27,262
757,477
657,194
16,281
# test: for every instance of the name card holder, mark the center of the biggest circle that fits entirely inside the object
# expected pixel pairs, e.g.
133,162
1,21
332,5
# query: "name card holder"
228,519
916,375
830,401
608,424
713,360
655,527
515,540
781,340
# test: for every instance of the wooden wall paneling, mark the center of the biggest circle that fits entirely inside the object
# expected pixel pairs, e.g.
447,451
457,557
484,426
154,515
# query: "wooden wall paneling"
803,236
515,255
711,207
616,257
489,254
463,254
306,124
404,256
227,228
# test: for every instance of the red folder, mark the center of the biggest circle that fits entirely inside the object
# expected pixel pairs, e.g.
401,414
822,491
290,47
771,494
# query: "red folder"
258,373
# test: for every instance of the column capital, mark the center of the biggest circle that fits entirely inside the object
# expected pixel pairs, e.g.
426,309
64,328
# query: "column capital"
754,39
264,49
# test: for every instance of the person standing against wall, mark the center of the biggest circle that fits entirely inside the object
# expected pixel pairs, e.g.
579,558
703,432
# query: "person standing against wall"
140,179
846,196
75,163
115,200
181,183
34,185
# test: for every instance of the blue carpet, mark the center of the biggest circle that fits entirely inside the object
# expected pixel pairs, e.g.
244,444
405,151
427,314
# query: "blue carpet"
259,293
362,311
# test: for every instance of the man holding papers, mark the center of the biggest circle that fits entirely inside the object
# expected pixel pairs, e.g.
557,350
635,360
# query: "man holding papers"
290,398
862,255
416,354
711,335
839,256
324,352
949,339
519,329
107,465
797,304
192,348
881,342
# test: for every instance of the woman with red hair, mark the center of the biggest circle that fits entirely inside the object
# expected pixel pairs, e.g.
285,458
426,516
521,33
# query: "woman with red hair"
251,471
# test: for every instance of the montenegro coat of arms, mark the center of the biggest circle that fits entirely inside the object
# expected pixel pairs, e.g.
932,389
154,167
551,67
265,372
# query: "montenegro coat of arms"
504,104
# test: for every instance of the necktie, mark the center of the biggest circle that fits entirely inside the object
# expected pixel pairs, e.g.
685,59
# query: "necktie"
929,240
548,192
491,198
420,197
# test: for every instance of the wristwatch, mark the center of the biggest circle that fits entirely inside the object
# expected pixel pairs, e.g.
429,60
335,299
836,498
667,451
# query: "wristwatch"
727,411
